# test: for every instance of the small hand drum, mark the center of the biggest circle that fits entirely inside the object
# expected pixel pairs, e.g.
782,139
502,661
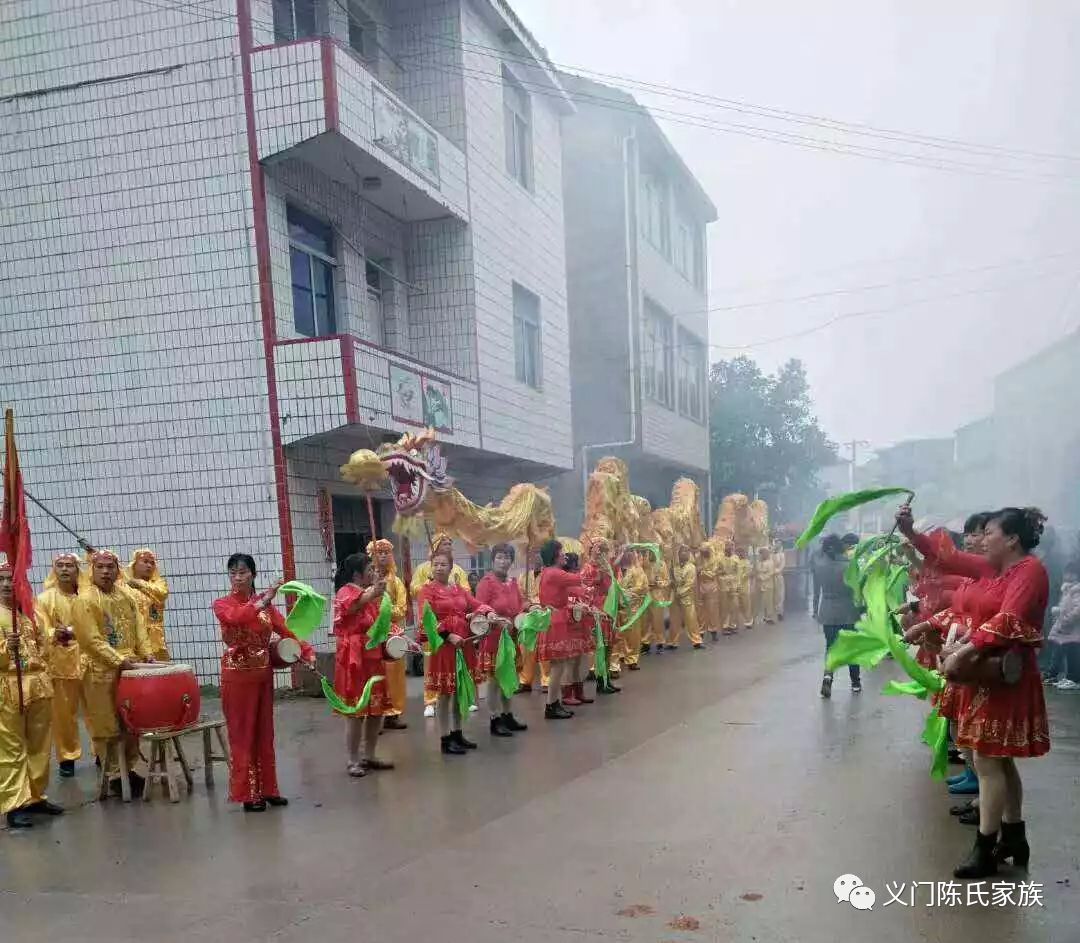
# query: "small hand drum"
519,621
397,647
284,652
479,626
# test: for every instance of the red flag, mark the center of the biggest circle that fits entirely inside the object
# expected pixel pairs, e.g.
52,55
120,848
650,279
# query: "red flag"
15,528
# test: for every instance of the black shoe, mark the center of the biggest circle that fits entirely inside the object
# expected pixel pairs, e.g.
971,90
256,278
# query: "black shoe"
97,762
259,806
556,712
511,723
633,667
498,728
1013,845
645,649
826,687
602,688
980,863
670,648
19,818
44,807
698,645
450,745
278,801
961,809
394,723
67,769
459,739
969,816
138,785
524,689
955,756
856,687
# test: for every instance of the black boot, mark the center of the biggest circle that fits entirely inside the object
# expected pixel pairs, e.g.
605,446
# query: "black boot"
19,818
511,723
980,862
44,807
67,769
499,728
1013,845
602,688
556,712
645,649
450,745
459,739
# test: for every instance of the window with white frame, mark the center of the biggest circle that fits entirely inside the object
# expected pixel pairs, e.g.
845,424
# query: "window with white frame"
294,19
526,337
312,263
654,214
657,354
517,121
691,376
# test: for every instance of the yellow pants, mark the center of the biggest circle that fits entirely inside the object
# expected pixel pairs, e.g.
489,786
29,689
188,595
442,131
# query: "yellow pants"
778,594
743,613
632,640
25,745
654,630
710,614
683,616
527,672
395,685
766,603
67,701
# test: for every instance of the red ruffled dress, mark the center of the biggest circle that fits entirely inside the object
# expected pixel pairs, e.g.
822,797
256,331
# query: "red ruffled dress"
451,605
505,599
354,664
566,638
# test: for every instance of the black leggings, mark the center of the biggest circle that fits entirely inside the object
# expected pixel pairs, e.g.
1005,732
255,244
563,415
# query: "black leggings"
831,632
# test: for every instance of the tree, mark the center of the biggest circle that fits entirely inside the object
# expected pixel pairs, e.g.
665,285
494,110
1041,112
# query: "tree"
764,438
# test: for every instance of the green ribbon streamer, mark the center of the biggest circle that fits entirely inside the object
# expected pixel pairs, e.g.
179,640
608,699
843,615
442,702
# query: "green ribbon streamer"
611,601
380,630
336,703
648,601
307,611
601,654
431,630
828,509
536,622
652,548
464,685
506,665
936,736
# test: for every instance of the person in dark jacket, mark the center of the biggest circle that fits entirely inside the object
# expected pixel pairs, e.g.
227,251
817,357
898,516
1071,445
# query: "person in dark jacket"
836,609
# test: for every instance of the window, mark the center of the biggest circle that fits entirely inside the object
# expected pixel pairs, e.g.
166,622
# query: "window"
657,355
526,337
691,380
654,220
363,39
293,19
311,248
518,131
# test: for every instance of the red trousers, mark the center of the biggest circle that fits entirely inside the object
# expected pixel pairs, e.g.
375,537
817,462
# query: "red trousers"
247,701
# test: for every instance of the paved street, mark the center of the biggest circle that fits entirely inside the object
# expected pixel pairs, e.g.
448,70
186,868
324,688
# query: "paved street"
717,798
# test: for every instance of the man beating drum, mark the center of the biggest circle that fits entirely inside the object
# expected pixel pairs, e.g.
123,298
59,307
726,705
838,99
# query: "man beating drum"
111,633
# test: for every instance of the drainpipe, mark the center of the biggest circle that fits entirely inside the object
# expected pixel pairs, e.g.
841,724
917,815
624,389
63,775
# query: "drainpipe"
630,249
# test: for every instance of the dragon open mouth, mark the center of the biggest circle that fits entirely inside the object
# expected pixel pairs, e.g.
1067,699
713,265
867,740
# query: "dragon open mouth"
409,480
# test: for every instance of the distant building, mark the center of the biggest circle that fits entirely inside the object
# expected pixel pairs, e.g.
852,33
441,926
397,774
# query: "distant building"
636,254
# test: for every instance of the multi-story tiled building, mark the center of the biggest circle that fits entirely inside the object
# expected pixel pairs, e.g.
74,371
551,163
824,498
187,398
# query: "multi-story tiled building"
241,238
637,299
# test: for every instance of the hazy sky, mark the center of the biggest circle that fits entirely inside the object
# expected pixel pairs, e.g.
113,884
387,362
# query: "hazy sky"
796,222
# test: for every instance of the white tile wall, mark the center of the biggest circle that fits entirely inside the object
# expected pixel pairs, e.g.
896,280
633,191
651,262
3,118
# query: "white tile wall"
287,89
310,387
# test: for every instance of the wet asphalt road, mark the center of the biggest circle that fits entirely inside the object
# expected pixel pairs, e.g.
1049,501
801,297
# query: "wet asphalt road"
716,799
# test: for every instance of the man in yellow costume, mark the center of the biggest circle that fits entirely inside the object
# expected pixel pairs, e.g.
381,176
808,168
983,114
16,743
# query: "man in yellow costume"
635,585
421,576
382,552
727,581
779,561
659,576
150,590
529,581
709,584
66,663
764,586
684,609
26,716
112,635
744,611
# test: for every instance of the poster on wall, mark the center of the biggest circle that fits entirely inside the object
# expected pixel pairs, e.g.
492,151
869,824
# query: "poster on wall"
438,405
406,396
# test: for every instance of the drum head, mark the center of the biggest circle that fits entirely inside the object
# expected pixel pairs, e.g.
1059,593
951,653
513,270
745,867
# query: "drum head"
519,620
144,669
480,626
288,650
397,646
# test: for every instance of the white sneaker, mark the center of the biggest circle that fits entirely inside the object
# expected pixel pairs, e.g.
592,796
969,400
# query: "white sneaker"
1067,684
429,711
473,709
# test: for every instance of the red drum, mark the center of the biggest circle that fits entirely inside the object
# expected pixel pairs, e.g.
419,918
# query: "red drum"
158,698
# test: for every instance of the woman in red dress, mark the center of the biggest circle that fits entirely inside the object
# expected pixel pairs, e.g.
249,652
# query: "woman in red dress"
1002,722
564,642
247,684
505,598
356,608
452,605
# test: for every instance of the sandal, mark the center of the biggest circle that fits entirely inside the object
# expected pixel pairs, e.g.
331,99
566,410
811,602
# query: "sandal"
357,770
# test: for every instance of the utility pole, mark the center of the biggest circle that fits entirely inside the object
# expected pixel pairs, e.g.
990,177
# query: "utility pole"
854,445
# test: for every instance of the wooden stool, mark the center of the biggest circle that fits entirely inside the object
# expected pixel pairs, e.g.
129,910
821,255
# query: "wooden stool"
114,747
165,749
216,728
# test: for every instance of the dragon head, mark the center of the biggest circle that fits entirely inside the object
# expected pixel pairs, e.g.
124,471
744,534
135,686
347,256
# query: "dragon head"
412,466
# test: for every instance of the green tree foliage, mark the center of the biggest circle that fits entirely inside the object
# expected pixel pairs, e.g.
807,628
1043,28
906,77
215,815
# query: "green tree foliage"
764,438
